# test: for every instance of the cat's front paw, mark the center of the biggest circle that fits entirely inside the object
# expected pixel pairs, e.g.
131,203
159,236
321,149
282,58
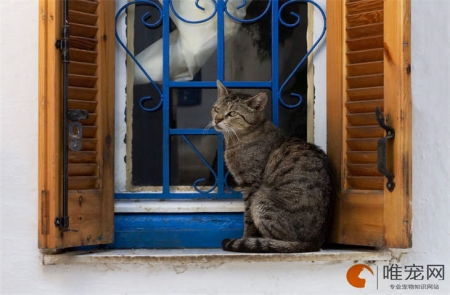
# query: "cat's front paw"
226,244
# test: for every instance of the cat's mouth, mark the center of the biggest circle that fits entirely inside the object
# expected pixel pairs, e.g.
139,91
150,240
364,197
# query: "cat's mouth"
217,127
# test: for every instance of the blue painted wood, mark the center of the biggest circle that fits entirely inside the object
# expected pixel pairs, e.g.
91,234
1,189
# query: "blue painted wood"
166,98
178,196
175,231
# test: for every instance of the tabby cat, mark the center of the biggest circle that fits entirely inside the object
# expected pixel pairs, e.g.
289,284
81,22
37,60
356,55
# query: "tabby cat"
286,182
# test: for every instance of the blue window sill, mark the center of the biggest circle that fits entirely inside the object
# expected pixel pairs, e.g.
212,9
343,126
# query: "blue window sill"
175,230
175,224
202,256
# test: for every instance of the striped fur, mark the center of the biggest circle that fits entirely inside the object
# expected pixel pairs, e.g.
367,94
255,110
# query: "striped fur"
286,182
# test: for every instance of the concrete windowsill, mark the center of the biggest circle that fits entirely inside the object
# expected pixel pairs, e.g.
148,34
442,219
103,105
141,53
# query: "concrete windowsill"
140,256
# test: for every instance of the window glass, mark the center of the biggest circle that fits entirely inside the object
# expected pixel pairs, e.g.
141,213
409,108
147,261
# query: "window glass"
247,57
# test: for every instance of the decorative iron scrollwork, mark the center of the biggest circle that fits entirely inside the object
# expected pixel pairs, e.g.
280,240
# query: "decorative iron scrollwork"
122,44
280,91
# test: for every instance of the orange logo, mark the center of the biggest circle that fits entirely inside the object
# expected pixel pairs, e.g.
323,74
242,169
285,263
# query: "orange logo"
353,275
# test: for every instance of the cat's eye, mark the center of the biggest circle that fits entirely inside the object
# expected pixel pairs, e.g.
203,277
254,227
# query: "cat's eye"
216,109
232,114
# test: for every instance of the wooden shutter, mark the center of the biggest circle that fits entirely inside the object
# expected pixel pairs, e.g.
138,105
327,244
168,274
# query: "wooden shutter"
91,88
368,66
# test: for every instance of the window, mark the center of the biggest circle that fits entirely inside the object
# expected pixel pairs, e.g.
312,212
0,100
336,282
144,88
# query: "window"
191,167
363,216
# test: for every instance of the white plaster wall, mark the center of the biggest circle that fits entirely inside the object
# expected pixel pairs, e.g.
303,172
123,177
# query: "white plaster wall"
21,268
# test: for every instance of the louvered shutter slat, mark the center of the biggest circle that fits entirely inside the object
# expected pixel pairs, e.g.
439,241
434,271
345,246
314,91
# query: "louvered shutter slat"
363,169
365,183
362,94
364,132
82,80
90,120
89,144
90,106
361,157
366,43
365,81
76,169
82,68
363,106
82,30
361,119
362,31
83,43
365,56
87,56
365,18
83,6
355,7
82,17
367,68
82,157
362,144
82,93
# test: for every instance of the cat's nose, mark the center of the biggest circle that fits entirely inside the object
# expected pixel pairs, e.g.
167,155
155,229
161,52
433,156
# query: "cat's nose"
218,120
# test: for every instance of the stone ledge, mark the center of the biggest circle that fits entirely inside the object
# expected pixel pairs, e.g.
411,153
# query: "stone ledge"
144,256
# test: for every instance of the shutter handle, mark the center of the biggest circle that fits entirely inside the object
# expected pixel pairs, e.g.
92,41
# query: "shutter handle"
382,149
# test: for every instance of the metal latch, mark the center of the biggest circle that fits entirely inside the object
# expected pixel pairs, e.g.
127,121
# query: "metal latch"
75,128
382,150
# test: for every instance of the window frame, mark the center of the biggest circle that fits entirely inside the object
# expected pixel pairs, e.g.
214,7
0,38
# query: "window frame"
124,188
141,200
396,227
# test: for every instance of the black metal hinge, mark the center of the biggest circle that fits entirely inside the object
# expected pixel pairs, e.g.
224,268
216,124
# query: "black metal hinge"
63,44
62,222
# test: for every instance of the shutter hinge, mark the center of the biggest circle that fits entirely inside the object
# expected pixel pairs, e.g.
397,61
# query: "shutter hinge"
62,222
63,44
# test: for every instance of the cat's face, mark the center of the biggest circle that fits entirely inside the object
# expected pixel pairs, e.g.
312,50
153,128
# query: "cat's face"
233,113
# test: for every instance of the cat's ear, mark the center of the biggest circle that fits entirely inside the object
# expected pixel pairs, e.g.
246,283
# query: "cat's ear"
257,102
222,91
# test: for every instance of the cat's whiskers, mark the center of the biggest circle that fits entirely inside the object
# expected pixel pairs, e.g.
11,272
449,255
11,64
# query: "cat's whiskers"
230,132
233,132
209,126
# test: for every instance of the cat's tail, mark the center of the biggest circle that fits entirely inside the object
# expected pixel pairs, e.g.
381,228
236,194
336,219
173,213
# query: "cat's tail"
267,245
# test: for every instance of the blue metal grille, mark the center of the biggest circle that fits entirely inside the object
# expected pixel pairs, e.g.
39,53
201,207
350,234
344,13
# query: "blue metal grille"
220,188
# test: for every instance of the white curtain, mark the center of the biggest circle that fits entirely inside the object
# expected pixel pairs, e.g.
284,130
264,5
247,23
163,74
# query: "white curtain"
190,44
